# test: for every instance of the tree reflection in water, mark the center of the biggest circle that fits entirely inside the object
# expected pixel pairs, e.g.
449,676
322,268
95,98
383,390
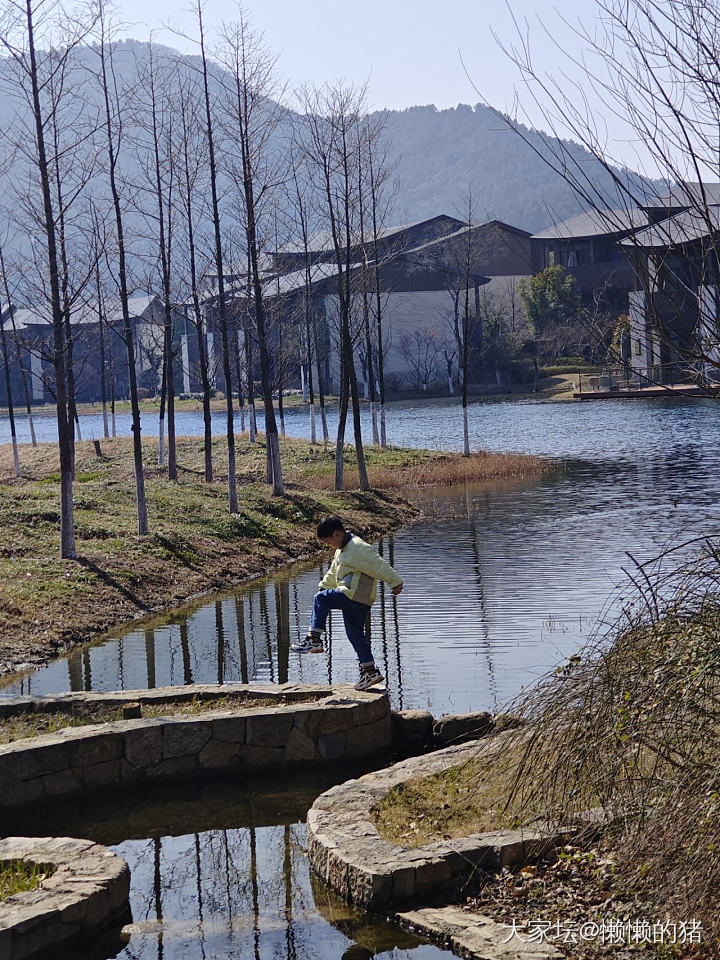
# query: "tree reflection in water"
219,873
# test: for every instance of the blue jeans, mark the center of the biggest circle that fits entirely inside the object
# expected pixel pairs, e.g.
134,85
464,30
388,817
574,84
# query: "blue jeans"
354,617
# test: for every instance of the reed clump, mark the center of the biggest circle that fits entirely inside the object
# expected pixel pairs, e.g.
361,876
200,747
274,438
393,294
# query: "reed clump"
631,728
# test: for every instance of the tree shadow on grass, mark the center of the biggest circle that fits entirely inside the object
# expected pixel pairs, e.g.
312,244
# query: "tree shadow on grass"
113,583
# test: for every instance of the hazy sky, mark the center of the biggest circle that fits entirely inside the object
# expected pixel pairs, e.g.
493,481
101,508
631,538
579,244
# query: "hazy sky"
409,49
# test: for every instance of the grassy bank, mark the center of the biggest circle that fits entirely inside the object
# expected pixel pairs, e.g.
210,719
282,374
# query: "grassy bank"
194,545
554,385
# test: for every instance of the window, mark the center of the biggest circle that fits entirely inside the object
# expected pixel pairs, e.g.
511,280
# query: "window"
638,348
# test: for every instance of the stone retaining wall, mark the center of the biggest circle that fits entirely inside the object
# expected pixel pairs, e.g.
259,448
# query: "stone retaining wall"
200,692
87,893
347,852
344,725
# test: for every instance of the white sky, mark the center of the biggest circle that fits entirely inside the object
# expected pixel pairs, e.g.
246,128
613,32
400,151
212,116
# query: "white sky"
409,49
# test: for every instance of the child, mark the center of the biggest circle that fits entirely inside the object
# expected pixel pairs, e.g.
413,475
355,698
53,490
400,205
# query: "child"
350,585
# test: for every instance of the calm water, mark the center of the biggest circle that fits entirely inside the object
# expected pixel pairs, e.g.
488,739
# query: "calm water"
601,430
219,873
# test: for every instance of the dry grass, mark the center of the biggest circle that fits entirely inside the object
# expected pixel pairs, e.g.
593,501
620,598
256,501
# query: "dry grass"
632,725
469,798
630,728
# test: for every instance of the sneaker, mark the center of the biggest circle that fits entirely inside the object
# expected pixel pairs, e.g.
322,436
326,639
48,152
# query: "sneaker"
369,676
311,644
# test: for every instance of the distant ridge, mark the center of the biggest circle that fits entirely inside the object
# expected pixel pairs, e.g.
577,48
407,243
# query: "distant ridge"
443,152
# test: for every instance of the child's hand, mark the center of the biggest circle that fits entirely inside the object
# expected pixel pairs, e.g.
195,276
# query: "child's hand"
398,589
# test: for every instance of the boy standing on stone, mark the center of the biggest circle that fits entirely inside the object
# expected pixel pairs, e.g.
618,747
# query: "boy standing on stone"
350,585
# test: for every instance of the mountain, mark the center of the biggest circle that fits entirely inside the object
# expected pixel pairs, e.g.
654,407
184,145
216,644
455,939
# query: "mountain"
442,153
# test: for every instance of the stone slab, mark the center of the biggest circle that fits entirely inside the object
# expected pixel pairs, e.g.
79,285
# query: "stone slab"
318,724
347,852
87,892
474,935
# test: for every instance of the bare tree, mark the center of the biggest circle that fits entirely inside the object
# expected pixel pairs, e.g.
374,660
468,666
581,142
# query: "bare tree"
254,116
193,160
379,170
30,82
462,284
222,311
331,143
161,175
113,130
421,351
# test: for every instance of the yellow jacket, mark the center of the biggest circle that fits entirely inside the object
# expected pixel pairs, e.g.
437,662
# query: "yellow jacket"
355,570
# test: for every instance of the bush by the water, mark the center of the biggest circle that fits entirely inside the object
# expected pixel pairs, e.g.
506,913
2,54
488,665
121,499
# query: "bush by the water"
632,726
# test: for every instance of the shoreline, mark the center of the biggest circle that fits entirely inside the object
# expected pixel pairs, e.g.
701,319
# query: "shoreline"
195,547
555,388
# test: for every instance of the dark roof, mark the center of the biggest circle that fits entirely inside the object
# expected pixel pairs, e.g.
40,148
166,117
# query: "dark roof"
595,223
691,194
683,227
321,241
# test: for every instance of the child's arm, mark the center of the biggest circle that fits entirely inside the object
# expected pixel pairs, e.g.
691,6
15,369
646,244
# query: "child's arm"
369,561
329,581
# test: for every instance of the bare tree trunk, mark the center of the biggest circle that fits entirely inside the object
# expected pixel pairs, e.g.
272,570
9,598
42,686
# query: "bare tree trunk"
250,386
378,298
163,400
237,350
365,299
26,385
197,311
165,251
8,390
65,429
321,385
342,420
6,363
142,514
103,372
222,307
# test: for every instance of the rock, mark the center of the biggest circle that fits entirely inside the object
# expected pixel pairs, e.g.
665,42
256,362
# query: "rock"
412,730
507,721
450,729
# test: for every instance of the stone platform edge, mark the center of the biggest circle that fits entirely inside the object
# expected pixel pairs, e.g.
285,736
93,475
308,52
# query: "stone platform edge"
323,725
474,935
346,851
87,893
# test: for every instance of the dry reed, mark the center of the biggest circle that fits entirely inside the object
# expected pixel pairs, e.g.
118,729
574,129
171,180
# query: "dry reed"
632,726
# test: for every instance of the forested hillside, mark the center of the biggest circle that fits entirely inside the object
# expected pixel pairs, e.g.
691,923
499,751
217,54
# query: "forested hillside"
442,153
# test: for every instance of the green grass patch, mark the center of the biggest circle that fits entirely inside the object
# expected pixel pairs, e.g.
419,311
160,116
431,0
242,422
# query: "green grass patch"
474,797
17,876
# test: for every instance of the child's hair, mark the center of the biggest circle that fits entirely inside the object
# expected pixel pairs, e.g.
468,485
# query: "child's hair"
328,526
